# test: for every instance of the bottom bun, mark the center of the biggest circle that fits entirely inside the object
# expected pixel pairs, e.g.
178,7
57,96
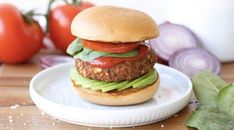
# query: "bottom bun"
118,98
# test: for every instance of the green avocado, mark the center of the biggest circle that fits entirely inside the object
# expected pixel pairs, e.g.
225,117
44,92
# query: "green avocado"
116,86
134,82
146,81
103,86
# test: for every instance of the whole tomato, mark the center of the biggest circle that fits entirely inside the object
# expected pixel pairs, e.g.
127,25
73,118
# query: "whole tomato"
20,37
60,19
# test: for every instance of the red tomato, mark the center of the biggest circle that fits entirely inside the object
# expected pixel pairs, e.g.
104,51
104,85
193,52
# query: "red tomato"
60,19
19,40
111,47
106,62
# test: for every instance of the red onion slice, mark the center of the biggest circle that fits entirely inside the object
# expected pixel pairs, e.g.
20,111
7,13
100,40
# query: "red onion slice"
192,60
51,60
172,37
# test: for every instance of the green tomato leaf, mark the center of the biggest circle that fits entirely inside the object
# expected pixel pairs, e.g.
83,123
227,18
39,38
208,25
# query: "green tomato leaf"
225,100
206,87
210,118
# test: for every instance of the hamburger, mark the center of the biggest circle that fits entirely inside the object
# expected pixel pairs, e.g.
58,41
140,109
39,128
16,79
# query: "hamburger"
113,65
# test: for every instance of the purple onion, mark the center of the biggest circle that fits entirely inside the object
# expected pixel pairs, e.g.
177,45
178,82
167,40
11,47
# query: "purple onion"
172,38
51,60
192,60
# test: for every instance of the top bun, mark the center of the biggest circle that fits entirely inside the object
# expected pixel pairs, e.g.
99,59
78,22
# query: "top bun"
113,24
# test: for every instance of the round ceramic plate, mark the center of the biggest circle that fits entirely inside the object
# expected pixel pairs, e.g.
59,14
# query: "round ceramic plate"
52,92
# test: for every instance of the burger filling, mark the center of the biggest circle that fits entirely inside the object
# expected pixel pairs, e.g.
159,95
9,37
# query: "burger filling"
105,67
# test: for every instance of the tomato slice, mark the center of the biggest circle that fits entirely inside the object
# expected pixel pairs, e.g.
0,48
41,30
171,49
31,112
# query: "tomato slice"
111,47
107,62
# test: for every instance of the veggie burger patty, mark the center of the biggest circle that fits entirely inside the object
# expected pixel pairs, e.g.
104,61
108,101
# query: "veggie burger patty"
127,70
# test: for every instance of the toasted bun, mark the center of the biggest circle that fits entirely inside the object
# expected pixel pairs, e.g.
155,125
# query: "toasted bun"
126,97
113,24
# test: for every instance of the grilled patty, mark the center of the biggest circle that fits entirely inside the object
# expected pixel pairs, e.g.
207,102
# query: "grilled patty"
127,70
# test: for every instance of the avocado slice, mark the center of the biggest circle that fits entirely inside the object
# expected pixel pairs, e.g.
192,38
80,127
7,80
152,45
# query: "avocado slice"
147,81
103,86
134,82
95,84
119,85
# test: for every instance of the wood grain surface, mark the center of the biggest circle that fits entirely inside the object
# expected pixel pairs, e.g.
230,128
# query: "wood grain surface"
18,112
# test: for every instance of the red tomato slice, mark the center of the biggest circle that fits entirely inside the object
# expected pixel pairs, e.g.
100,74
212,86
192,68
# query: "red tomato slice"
111,47
107,62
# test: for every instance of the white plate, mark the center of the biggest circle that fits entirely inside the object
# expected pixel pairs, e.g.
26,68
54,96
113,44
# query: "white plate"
51,91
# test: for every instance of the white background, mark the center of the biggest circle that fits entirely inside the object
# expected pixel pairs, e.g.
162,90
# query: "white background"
211,20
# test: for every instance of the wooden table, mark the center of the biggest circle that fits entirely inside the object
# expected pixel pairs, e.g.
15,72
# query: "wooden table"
17,110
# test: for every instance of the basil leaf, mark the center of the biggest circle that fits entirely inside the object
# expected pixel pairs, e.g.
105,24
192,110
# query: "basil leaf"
89,55
74,47
225,100
206,86
210,118
129,54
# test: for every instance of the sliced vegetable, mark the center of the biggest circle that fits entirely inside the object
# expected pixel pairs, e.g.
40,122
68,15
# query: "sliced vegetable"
225,100
206,87
103,86
146,81
173,37
134,82
210,118
119,85
106,62
111,47
193,60
51,60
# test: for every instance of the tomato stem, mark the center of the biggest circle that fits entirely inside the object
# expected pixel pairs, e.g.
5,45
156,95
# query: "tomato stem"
28,16
77,2
48,12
